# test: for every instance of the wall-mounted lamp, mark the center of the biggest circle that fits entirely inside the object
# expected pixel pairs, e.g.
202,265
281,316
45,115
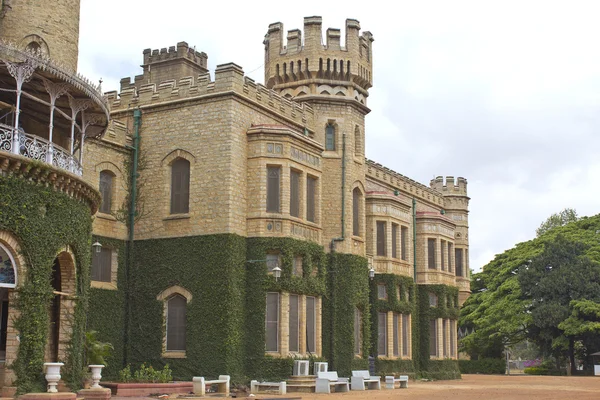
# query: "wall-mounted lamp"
372,273
97,246
277,273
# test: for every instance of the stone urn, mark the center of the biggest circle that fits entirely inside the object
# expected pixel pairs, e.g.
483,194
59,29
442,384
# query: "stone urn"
52,375
96,375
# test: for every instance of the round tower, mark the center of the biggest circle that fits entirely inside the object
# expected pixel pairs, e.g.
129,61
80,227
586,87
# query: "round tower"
50,28
334,80
456,206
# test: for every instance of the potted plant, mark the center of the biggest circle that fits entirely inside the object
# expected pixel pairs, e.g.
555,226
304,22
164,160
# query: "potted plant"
96,352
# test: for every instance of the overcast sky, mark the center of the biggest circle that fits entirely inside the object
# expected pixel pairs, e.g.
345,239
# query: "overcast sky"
503,93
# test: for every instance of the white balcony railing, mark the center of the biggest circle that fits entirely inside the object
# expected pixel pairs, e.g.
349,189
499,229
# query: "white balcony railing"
39,149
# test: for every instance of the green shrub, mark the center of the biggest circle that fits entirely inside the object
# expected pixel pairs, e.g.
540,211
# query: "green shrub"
542,370
482,366
146,374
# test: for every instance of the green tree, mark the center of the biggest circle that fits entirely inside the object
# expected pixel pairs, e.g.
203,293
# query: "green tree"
561,273
499,312
584,318
561,218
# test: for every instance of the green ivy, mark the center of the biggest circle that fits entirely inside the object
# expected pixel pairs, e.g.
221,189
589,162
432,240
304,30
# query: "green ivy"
45,221
447,308
108,308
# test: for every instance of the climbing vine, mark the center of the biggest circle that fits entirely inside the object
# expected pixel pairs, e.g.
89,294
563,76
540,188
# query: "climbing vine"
45,222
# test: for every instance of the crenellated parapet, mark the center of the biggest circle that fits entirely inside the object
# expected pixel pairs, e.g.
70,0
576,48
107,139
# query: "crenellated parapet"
299,68
229,80
450,187
176,62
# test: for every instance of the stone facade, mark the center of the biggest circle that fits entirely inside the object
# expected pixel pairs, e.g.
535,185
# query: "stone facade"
280,160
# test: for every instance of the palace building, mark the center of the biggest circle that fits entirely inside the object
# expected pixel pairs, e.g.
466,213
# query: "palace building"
215,225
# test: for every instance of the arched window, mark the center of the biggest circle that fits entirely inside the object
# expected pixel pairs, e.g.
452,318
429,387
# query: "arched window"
356,200
176,307
357,142
106,190
180,186
330,137
8,272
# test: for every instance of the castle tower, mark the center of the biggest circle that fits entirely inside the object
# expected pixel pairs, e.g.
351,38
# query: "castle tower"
456,205
334,80
51,28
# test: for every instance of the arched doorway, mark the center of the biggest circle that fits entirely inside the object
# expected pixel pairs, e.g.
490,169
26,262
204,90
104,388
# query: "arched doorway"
61,307
54,337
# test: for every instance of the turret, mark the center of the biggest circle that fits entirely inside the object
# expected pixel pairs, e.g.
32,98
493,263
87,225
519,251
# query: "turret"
312,68
173,63
50,28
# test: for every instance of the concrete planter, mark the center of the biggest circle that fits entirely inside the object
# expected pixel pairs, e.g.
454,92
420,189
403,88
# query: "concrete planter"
96,375
52,375
146,389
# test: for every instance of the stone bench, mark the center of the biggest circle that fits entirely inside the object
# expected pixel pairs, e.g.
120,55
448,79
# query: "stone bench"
222,385
390,381
359,378
255,386
327,380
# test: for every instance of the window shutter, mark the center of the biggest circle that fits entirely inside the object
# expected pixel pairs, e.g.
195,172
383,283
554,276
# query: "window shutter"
381,242
272,322
405,330
330,138
106,183
404,243
294,194
311,323
382,334
310,198
180,186
355,212
459,262
396,338
294,343
431,253
176,323
273,182
394,241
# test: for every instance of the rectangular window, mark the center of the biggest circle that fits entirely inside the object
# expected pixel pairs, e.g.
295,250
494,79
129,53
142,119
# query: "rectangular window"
431,253
381,241
101,263
382,334
294,326
272,322
458,256
356,212
273,184
443,254
404,243
445,337
311,324
297,266
330,137
381,292
394,240
452,338
405,335
311,186
294,193
433,300
396,335
466,268
357,331
450,252
272,262
433,339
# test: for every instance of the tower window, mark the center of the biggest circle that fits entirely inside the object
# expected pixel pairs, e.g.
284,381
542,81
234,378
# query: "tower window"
330,138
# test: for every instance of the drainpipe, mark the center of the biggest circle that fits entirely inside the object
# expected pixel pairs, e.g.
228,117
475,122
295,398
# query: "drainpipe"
414,209
341,238
137,119
332,248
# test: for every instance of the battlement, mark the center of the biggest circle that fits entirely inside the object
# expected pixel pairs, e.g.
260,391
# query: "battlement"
229,79
289,63
175,62
450,187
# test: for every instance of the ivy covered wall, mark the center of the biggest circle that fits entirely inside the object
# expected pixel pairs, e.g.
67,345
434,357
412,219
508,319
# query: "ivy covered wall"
447,308
108,311
44,222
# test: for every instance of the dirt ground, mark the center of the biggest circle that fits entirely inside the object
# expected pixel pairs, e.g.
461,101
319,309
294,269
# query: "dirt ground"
481,387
